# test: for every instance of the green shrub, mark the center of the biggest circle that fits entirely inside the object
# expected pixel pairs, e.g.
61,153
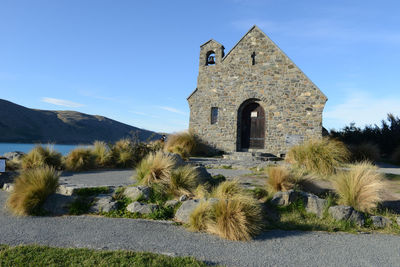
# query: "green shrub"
360,187
80,159
102,153
321,156
41,156
363,152
31,189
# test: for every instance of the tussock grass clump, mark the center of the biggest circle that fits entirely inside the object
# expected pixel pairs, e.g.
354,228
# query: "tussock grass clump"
279,179
183,143
396,156
31,189
123,154
80,159
228,189
321,156
102,153
41,156
363,152
183,180
236,218
155,168
360,187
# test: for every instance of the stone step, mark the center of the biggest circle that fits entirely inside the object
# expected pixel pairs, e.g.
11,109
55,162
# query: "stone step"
251,156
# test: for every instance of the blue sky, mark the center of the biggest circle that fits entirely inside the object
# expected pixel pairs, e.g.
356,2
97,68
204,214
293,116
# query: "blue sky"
137,61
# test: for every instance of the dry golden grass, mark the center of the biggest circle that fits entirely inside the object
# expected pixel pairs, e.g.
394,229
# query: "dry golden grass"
363,152
123,153
155,168
360,187
279,179
183,180
238,218
102,154
228,189
31,189
201,217
321,156
183,143
41,156
202,191
80,159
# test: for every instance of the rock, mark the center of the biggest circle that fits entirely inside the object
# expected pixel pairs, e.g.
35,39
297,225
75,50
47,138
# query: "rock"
58,204
17,155
171,203
8,187
398,220
103,203
183,198
347,213
184,211
315,204
177,158
357,218
284,198
381,222
66,190
340,212
137,192
141,208
203,175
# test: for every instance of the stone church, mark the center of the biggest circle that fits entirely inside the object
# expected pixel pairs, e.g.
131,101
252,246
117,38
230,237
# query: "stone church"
254,98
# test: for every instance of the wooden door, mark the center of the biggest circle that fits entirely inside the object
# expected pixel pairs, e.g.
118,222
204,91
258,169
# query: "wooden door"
253,127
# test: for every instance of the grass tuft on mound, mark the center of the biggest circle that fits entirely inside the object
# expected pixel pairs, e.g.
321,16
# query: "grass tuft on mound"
183,143
80,159
320,156
155,168
41,156
102,154
31,189
279,179
360,187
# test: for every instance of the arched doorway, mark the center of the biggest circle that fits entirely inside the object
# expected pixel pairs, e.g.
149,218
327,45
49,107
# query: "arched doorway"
251,126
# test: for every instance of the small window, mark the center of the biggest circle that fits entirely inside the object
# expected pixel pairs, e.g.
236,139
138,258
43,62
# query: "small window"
214,115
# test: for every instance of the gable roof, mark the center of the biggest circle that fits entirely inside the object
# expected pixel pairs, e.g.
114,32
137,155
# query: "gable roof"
211,40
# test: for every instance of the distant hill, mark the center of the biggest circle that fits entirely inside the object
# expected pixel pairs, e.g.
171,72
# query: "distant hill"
25,125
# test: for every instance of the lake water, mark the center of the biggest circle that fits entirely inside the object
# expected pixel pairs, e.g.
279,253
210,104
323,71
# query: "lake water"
9,147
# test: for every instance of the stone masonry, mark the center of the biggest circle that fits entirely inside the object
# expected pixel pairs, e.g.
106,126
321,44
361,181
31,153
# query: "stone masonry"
254,71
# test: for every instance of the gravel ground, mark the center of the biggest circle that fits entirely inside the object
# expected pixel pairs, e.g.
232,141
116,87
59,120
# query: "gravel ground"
98,178
286,248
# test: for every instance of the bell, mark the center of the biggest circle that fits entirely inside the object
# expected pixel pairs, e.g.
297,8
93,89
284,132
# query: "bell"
211,60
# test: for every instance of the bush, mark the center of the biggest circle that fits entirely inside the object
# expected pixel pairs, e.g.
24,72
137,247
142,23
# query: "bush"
228,189
183,143
42,156
127,153
31,189
237,218
396,156
102,153
183,180
360,187
155,168
363,152
279,179
321,156
80,159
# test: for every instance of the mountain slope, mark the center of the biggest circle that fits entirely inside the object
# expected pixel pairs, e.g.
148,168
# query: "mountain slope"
21,124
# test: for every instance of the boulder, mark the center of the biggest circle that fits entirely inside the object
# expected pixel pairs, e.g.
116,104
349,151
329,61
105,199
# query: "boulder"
171,203
314,204
284,198
345,213
177,158
203,175
183,198
357,218
381,222
57,204
137,192
340,212
9,187
184,211
17,155
66,190
141,208
103,203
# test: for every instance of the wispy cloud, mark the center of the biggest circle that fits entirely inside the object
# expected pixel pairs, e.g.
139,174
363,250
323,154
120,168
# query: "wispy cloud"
97,96
171,109
61,102
361,108
144,114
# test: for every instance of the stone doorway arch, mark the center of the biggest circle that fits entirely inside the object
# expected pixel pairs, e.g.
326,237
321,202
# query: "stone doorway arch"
251,126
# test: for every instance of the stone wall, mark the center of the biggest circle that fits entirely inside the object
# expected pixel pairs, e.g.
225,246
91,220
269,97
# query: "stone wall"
293,105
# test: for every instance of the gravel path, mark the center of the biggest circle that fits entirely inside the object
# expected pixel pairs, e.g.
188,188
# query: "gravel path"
98,178
287,248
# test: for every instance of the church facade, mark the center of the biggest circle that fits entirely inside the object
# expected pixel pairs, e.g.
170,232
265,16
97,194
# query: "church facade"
254,98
